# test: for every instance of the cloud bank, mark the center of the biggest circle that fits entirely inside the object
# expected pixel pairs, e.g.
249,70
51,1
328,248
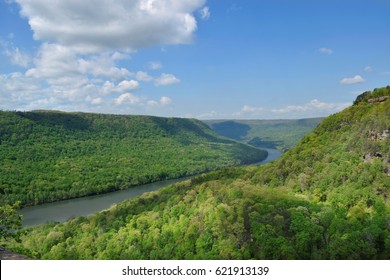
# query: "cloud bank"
83,43
88,26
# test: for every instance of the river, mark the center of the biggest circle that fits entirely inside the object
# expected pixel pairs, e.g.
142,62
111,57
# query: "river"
61,211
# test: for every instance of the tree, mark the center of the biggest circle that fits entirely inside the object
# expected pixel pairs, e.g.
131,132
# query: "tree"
10,222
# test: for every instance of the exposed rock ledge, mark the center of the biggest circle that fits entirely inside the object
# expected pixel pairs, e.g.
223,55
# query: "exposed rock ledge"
9,255
378,136
378,100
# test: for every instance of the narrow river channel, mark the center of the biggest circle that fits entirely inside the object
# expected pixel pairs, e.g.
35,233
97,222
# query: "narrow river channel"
61,211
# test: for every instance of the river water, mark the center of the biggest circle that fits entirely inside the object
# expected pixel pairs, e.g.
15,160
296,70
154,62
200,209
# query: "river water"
61,211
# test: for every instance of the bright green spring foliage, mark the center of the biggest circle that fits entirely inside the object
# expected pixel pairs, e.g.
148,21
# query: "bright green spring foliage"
10,222
47,156
327,198
344,162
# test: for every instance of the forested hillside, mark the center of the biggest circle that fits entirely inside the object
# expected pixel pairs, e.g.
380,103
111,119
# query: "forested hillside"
47,155
276,134
327,198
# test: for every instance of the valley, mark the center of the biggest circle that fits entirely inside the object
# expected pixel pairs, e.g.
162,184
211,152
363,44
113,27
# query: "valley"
62,211
325,198
274,134
47,156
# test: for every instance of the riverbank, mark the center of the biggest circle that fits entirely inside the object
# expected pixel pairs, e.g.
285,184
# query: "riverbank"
62,211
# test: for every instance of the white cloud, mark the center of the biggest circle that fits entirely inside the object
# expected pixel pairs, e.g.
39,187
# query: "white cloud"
326,51
77,64
152,103
249,111
17,57
124,86
368,69
166,79
314,105
95,101
54,61
128,85
163,80
354,80
211,115
102,65
110,25
128,98
155,65
205,13
165,101
143,76
119,56
16,82
18,91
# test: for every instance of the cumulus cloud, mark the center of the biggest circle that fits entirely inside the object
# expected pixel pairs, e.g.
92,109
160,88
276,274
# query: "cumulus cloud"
163,102
21,93
128,98
54,61
128,85
83,44
17,82
103,65
166,79
205,13
95,101
17,57
354,80
110,25
326,51
124,86
143,76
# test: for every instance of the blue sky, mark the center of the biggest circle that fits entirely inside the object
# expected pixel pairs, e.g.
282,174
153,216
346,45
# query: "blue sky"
216,59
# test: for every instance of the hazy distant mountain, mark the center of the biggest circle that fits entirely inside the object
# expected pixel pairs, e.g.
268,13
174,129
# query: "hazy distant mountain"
277,134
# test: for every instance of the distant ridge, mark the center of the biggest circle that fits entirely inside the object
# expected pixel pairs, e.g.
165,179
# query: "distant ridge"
282,134
51,155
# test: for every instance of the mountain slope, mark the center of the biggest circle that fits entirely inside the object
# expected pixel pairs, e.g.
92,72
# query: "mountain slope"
277,134
327,198
47,155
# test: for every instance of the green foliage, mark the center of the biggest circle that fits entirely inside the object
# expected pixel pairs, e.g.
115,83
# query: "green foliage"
326,198
217,219
276,134
376,93
10,222
47,156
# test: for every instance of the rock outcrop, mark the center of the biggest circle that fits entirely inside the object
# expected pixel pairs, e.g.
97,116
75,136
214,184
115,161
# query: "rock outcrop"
9,255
